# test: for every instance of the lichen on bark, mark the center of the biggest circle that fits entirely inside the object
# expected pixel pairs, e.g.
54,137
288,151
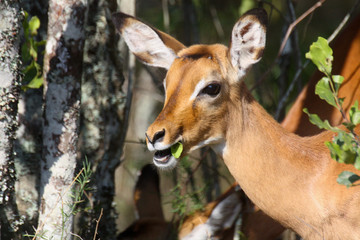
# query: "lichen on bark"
10,75
103,100
62,73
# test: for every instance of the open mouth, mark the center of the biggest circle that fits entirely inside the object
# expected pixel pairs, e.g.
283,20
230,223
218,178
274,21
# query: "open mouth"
162,156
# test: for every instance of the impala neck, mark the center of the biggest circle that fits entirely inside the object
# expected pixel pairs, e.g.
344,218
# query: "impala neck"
260,155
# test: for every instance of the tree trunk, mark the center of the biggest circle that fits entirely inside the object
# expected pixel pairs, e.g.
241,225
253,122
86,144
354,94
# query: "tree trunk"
104,114
9,93
62,73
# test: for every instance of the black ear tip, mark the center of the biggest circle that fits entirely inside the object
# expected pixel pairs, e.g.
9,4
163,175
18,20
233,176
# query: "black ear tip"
260,14
119,20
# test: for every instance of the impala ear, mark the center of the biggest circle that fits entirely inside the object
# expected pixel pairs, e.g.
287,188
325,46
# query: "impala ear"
226,211
149,45
147,190
248,40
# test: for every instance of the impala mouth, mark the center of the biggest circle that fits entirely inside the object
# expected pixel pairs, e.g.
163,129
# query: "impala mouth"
163,156
164,159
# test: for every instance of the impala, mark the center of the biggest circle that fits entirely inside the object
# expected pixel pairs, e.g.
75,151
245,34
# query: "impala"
291,178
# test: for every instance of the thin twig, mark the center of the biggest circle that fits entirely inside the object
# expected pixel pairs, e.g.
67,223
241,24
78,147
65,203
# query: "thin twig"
292,85
343,22
97,223
293,24
166,15
141,142
216,22
291,48
77,236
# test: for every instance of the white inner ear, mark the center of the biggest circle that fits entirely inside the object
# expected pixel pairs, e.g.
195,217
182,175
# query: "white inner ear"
225,213
247,40
148,46
222,217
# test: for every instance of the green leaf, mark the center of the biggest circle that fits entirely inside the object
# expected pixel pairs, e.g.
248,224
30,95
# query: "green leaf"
33,49
322,89
34,25
177,149
25,55
335,150
347,178
349,125
25,25
321,55
30,72
32,76
338,80
357,161
342,148
354,113
315,119
36,83
41,43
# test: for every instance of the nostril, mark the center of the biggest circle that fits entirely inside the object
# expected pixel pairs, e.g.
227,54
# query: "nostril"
148,138
158,136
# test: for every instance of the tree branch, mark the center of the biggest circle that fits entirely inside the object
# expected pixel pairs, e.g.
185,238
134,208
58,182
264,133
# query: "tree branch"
293,24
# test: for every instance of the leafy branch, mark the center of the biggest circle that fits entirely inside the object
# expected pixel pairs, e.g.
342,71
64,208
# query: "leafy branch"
29,53
344,148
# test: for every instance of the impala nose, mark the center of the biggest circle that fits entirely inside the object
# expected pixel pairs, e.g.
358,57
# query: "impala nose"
158,136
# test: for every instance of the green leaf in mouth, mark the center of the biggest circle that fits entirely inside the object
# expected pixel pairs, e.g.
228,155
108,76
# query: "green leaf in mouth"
177,149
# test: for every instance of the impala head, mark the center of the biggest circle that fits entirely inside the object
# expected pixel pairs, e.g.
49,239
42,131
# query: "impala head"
201,82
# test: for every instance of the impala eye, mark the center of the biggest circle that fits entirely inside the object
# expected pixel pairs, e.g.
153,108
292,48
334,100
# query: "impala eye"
212,89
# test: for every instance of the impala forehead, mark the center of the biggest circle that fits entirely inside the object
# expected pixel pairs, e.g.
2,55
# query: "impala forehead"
189,77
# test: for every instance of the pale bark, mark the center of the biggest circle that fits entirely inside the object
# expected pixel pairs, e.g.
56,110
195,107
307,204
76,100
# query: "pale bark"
62,72
10,21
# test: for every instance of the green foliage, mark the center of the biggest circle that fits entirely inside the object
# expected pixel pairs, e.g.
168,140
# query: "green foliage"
344,148
323,90
81,186
321,55
177,149
347,178
354,116
29,53
315,119
185,202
